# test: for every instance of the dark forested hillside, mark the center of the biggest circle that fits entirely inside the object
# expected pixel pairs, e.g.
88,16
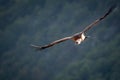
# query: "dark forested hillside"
25,22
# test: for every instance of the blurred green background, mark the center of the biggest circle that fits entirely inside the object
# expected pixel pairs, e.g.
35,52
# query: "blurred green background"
25,22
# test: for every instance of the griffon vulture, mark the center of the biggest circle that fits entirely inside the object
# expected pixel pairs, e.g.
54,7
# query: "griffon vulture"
78,37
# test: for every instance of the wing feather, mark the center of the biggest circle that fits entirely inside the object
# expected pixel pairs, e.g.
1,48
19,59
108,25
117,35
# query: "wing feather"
51,44
98,20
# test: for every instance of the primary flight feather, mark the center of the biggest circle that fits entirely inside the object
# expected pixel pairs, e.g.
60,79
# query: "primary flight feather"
78,37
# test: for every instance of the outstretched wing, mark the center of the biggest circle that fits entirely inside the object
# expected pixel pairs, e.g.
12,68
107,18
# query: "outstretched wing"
98,20
51,44
76,35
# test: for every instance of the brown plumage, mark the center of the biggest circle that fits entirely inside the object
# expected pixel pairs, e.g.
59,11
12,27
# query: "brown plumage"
78,37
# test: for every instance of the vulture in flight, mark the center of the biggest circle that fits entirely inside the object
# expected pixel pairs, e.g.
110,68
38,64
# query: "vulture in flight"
78,37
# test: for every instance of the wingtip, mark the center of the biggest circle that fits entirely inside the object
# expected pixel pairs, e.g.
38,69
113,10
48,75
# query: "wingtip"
37,48
112,8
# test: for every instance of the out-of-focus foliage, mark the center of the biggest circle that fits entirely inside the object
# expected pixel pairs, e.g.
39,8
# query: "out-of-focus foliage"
25,22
